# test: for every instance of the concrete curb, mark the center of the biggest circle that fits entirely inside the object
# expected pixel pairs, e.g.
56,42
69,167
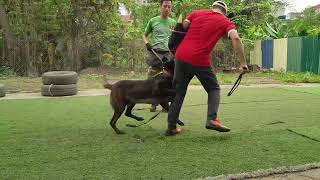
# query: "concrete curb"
268,172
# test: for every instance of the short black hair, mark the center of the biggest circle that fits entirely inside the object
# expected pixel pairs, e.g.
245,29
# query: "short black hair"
161,1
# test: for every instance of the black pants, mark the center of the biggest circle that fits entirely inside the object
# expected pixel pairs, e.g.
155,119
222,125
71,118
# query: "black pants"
183,73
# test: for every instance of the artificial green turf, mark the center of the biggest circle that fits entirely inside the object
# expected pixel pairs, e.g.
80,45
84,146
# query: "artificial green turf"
311,90
70,138
311,132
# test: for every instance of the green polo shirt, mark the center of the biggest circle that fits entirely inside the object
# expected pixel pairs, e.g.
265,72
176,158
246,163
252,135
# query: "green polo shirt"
161,31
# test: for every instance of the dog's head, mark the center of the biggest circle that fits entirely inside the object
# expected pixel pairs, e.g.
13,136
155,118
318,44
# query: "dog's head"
177,35
168,67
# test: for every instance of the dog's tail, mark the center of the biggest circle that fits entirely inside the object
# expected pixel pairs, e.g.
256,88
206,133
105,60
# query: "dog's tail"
106,84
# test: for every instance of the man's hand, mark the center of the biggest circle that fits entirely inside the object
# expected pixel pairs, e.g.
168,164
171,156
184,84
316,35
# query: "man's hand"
149,47
243,69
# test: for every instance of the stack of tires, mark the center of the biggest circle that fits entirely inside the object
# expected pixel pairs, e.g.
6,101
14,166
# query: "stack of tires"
2,91
59,83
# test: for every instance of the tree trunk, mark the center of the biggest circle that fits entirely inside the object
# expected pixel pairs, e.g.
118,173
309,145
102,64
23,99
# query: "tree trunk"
30,38
74,34
8,35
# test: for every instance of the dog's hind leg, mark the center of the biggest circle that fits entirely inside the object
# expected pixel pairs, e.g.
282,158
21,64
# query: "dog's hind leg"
165,106
129,112
116,115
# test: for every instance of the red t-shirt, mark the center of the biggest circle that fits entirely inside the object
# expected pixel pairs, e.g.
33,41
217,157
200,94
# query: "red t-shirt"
205,29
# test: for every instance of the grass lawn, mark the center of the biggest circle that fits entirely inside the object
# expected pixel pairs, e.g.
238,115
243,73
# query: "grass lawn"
69,138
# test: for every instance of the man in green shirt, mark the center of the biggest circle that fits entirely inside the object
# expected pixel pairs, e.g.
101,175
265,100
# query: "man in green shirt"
160,28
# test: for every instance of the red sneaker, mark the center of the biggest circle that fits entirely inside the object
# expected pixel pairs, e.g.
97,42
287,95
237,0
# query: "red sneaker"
216,125
172,132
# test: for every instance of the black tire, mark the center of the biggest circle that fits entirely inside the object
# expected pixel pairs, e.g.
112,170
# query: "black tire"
59,90
59,77
2,90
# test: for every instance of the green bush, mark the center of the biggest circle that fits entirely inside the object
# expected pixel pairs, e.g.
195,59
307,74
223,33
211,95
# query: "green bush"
299,77
6,72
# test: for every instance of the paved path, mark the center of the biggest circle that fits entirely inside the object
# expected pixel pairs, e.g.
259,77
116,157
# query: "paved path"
313,174
100,92
303,172
26,95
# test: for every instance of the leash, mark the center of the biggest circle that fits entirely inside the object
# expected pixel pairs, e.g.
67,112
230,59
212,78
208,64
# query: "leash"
156,54
236,84
181,32
161,72
146,122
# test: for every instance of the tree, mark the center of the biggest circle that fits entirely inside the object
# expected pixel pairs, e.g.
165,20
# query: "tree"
59,34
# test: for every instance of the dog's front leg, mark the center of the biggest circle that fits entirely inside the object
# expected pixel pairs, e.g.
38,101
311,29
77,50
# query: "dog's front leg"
129,112
165,106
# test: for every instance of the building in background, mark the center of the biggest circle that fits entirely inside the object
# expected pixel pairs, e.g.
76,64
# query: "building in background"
294,15
125,14
316,8
279,10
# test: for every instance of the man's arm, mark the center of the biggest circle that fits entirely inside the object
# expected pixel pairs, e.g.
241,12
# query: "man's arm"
146,42
186,24
145,38
239,49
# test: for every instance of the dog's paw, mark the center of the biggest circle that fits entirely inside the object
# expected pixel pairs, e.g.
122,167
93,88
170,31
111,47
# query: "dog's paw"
139,118
180,123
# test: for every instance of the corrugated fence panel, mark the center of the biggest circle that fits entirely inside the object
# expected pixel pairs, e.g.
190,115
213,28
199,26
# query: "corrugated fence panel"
319,57
267,54
316,60
251,57
257,54
310,54
280,49
294,54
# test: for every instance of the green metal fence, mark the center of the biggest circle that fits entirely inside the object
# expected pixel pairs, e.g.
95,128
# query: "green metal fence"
310,54
298,54
294,54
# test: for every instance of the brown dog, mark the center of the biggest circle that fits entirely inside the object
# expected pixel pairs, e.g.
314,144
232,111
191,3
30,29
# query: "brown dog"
126,93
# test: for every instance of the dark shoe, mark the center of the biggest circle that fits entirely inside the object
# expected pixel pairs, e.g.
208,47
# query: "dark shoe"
172,132
216,125
153,108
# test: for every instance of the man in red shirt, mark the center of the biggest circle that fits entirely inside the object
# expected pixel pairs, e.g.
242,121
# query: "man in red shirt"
205,28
